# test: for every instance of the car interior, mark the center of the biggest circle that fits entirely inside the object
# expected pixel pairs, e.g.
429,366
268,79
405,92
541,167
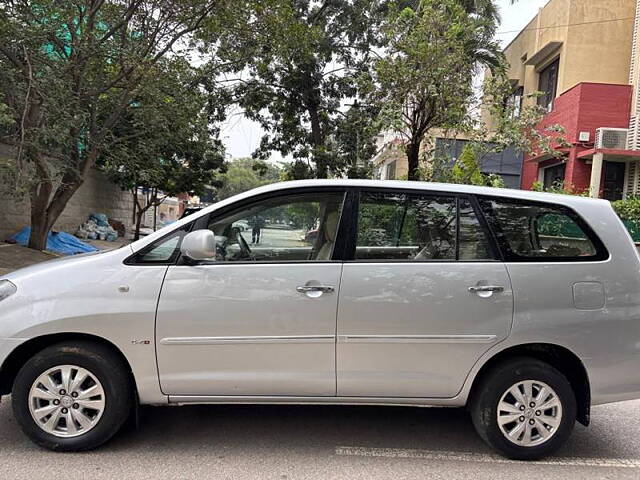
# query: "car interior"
276,230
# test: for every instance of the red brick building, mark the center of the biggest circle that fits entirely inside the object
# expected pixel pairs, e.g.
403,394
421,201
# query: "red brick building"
582,110
584,58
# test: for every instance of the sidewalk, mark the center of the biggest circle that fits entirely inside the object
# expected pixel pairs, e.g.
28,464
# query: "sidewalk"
13,257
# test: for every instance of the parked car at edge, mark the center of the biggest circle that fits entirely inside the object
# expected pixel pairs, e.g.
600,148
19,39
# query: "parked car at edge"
522,307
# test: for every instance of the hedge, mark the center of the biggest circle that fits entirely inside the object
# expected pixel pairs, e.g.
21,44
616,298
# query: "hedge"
629,211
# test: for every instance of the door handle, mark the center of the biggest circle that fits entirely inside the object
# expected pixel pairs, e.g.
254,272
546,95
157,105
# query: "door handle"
486,288
315,288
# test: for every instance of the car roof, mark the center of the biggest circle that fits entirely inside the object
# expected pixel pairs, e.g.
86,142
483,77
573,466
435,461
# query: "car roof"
432,187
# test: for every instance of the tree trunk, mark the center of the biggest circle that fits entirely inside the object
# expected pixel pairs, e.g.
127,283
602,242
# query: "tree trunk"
413,159
43,186
46,209
139,214
151,201
318,143
39,228
135,204
45,213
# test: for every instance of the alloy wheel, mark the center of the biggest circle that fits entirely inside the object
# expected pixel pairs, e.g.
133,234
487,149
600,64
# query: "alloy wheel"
529,413
67,401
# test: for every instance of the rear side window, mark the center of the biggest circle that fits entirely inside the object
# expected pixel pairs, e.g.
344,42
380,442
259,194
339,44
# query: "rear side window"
532,231
414,227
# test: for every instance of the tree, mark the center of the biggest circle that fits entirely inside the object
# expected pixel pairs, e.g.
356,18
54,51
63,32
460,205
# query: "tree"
166,144
483,45
354,142
69,72
485,8
244,174
466,169
293,65
425,79
521,128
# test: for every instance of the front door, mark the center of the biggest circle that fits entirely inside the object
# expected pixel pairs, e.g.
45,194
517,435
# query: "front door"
260,318
423,299
613,180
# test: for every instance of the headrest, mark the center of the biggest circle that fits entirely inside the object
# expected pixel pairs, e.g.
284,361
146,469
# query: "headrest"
331,225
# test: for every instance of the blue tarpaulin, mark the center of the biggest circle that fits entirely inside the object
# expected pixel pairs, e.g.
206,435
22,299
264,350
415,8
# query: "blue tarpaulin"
59,242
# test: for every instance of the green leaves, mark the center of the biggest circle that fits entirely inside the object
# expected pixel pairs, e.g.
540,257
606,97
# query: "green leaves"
425,79
166,142
518,126
293,65
244,174
72,73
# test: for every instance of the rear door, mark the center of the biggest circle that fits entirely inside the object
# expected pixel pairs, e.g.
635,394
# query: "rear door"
423,298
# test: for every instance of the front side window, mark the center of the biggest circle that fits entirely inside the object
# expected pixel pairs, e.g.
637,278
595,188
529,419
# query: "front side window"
413,227
539,232
164,251
287,228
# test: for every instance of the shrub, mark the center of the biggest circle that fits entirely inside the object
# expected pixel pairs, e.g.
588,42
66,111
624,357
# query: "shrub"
628,209
559,187
629,212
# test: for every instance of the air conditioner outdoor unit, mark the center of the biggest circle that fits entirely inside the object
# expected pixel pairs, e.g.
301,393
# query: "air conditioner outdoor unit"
612,138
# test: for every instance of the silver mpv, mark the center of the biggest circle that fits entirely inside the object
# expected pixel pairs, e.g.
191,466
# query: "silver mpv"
522,307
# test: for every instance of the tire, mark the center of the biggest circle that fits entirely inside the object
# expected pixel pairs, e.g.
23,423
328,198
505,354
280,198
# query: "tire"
100,405
557,421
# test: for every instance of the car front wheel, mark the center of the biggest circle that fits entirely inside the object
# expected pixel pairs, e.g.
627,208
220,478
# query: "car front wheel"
72,396
524,408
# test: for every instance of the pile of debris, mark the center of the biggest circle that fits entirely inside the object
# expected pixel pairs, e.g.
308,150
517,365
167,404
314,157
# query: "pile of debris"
97,227
57,242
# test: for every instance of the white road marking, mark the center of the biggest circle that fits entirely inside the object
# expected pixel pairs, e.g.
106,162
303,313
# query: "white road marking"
484,457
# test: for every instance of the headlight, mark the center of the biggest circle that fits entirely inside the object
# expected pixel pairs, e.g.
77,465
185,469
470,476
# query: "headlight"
6,289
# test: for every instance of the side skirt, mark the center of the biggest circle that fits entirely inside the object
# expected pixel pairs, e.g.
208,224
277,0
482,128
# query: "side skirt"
276,400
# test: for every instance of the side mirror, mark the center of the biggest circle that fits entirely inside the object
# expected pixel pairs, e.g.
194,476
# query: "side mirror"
199,245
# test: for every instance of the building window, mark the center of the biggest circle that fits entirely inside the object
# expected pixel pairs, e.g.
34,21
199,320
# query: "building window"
391,171
553,176
548,84
513,103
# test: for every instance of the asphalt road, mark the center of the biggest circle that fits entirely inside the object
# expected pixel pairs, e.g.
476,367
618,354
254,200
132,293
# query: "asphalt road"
292,442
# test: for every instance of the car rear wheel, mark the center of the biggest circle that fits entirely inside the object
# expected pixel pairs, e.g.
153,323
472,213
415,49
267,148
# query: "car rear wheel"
524,408
72,396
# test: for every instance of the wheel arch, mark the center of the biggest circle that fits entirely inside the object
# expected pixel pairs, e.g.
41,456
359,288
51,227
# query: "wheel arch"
23,352
557,356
